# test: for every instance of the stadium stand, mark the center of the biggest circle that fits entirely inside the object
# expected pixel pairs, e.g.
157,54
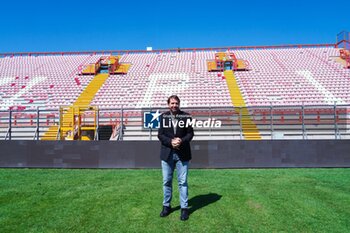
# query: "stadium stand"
150,75
284,76
294,77
41,81
276,76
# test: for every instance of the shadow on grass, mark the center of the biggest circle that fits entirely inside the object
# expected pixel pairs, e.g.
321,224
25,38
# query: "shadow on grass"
200,201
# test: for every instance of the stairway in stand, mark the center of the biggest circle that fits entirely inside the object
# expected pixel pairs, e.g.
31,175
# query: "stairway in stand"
83,101
250,130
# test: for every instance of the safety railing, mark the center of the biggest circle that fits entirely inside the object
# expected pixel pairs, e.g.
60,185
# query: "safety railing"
343,40
121,52
27,124
221,123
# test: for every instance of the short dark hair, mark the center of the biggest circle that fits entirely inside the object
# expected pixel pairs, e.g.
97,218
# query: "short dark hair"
174,97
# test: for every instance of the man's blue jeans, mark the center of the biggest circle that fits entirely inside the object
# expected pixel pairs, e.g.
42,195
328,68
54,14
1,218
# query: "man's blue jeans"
168,168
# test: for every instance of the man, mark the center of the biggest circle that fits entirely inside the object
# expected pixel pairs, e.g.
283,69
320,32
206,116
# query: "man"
175,135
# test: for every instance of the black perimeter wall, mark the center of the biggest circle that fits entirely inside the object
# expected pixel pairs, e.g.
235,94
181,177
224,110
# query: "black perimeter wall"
145,154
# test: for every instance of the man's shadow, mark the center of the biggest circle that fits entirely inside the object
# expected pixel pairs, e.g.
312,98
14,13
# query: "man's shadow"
200,201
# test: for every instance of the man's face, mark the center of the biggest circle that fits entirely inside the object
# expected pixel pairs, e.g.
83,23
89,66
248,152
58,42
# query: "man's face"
174,105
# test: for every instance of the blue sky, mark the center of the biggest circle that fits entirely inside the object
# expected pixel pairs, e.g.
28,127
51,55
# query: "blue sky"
118,25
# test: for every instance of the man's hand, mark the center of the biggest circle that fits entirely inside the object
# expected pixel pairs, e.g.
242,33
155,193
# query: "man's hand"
176,142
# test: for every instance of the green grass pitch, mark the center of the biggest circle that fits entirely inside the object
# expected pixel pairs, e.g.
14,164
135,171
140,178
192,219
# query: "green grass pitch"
227,200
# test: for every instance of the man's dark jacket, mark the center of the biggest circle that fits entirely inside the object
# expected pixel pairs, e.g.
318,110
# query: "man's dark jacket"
166,134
